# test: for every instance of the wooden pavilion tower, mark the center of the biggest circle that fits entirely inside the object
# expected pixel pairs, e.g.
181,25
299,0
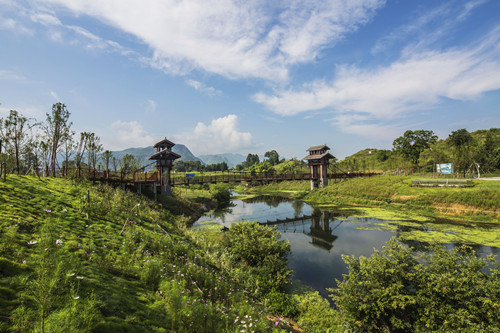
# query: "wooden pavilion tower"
165,158
318,160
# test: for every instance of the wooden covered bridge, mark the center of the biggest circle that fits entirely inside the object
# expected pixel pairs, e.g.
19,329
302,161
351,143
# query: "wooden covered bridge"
161,180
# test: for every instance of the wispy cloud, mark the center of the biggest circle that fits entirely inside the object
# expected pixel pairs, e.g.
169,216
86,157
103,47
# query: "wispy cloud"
232,38
428,27
54,95
9,75
416,81
151,106
201,87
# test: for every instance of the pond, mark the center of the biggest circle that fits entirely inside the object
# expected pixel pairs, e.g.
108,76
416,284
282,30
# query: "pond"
319,237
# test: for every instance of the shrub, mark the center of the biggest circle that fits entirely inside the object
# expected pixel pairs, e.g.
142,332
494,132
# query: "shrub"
398,289
282,303
261,248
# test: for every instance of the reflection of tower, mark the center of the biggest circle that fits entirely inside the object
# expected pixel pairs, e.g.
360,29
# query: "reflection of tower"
321,233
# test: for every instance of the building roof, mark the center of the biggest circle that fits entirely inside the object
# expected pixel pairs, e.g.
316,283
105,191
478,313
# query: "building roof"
320,147
164,142
326,155
165,154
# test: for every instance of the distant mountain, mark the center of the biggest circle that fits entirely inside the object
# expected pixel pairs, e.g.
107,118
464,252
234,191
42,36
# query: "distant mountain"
146,152
231,159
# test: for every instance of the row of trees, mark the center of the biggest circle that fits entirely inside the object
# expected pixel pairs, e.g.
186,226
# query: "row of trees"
466,153
31,145
476,152
186,166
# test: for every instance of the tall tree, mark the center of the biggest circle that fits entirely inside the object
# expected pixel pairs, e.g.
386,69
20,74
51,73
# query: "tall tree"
251,160
129,163
273,157
413,143
57,129
462,141
94,148
81,147
107,155
14,132
69,149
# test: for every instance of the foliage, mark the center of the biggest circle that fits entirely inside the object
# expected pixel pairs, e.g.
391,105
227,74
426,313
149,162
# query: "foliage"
57,130
394,192
272,157
282,303
250,160
315,313
442,290
260,247
14,135
93,258
412,143
189,166
130,163
221,193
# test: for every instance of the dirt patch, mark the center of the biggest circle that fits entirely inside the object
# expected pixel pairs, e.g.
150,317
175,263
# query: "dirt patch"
405,197
454,209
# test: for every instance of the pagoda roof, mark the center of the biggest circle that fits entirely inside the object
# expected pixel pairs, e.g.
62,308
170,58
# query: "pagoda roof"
319,147
326,155
165,154
164,142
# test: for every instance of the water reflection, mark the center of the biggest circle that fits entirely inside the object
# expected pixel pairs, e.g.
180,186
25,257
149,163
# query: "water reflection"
319,238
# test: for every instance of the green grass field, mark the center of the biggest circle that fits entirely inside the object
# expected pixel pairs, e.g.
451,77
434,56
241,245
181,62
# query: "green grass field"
77,257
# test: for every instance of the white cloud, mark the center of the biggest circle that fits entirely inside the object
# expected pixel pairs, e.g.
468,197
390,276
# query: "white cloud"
414,82
201,87
232,38
126,135
10,75
151,106
220,136
54,95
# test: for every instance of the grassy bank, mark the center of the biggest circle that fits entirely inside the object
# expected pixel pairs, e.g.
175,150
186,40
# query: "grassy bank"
479,203
83,257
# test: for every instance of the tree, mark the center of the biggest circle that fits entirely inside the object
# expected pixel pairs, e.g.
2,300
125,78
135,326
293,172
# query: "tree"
412,143
81,147
69,147
57,130
94,148
13,132
400,290
461,140
129,163
251,160
273,157
107,155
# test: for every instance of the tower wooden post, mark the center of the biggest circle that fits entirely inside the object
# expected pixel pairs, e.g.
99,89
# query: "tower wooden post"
164,157
318,160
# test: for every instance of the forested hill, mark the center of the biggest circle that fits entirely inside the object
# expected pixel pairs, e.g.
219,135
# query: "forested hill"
144,153
483,148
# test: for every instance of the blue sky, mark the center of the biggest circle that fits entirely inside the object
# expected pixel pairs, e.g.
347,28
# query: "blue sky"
252,76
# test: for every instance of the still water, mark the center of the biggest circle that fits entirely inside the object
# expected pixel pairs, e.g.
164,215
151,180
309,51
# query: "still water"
318,238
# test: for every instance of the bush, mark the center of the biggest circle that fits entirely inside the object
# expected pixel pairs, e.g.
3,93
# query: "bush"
221,193
315,313
398,289
260,247
281,303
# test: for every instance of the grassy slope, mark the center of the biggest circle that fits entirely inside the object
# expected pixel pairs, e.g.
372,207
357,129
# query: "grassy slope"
479,203
141,280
